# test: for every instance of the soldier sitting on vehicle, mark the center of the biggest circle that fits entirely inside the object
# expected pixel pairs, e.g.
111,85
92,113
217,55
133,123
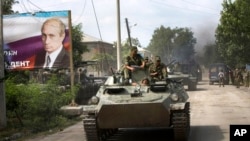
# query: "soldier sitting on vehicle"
158,70
143,82
133,61
148,63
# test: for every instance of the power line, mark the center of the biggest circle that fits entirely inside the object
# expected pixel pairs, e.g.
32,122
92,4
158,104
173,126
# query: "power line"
182,8
96,20
23,6
35,5
195,4
82,12
105,56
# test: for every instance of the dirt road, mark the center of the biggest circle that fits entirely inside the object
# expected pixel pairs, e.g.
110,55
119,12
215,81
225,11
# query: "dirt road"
213,109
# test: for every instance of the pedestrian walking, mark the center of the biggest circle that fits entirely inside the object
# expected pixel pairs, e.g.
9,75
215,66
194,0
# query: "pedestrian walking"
221,78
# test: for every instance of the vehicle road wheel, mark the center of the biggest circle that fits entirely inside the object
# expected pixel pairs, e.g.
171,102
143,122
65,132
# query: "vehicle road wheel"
181,123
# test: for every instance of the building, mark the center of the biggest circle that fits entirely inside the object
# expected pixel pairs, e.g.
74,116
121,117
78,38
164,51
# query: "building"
100,52
144,52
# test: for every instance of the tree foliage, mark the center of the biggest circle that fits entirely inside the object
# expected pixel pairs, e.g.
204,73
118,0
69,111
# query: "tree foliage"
172,44
39,102
125,47
78,47
232,34
125,50
7,6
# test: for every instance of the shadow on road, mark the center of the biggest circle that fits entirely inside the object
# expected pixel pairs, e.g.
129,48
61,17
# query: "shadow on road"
206,133
197,133
150,134
198,89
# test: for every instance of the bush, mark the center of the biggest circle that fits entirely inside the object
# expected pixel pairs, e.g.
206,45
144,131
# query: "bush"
37,106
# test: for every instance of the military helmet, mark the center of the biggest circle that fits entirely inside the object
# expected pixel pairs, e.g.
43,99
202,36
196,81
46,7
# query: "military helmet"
157,58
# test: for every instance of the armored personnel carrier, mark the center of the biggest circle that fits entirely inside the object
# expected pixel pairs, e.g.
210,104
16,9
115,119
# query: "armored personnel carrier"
185,74
135,105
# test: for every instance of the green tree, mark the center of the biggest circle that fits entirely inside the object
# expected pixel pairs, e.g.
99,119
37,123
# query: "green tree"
183,44
7,6
232,33
170,44
78,47
125,48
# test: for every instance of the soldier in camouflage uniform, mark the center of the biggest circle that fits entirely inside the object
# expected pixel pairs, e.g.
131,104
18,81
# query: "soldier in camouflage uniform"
238,76
148,63
247,78
158,70
132,62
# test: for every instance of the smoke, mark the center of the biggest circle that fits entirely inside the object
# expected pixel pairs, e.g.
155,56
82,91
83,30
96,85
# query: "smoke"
205,34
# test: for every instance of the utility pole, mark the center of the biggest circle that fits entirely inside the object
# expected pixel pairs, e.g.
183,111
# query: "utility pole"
118,35
128,30
3,122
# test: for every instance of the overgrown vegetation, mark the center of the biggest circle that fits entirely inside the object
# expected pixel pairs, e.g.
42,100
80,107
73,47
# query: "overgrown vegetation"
36,107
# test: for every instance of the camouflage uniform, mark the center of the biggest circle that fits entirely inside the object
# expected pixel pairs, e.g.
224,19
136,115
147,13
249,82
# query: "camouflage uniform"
132,61
148,63
247,79
158,70
238,77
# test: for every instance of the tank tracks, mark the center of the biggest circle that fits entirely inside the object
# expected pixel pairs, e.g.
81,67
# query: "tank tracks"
181,123
93,133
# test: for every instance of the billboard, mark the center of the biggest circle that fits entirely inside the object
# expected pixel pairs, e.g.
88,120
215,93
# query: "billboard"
37,40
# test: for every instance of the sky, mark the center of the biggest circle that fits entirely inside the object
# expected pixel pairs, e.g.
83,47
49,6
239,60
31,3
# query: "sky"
99,17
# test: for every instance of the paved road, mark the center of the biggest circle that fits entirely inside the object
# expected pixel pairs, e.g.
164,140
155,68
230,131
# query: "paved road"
72,133
213,109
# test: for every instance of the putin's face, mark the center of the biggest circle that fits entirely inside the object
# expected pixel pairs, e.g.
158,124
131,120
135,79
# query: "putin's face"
51,36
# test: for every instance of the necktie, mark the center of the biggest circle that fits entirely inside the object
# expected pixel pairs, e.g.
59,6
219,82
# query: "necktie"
48,61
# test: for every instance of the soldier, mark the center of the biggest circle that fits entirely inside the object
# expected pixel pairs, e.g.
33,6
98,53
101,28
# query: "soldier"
238,77
157,70
231,74
133,62
247,78
145,81
148,63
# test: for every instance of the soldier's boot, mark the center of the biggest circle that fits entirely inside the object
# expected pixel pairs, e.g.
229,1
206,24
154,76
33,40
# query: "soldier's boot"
126,76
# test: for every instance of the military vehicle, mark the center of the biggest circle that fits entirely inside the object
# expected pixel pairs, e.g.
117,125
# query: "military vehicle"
214,70
156,105
185,74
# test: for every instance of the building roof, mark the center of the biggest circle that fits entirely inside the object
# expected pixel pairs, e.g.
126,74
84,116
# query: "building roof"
88,38
140,49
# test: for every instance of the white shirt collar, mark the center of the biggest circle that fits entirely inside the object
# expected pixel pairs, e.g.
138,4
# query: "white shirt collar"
52,56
